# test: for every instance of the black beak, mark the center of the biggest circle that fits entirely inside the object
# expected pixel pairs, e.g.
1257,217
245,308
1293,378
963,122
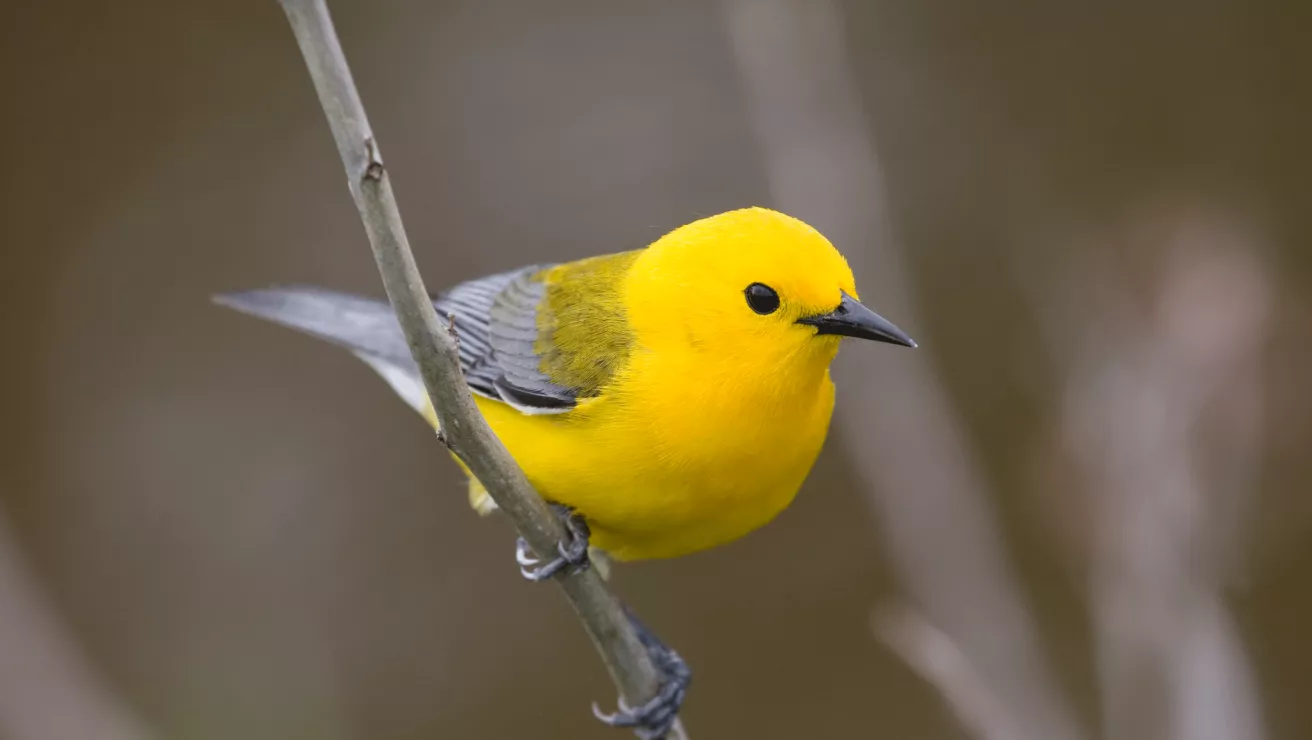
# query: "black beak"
851,319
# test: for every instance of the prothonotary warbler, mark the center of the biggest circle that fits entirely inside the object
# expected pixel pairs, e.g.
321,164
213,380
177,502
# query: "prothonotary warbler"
675,397
672,398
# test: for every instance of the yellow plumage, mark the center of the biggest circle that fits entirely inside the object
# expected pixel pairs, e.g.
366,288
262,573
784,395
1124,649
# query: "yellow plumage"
648,390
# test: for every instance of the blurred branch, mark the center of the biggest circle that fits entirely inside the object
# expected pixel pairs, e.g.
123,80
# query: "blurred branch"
914,455
48,691
463,427
1163,417
932,654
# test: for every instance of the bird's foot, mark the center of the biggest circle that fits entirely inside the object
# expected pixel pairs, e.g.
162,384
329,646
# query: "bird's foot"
570,554
653,720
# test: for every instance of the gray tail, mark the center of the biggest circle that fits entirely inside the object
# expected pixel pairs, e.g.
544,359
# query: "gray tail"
365,326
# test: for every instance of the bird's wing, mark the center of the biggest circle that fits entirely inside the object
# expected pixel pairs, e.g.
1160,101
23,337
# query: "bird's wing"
496,320
543,337
537,338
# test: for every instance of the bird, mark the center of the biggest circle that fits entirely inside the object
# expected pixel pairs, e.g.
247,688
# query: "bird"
668,399
674,397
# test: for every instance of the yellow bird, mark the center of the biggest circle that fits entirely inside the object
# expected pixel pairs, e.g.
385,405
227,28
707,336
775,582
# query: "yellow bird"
674,397
671,398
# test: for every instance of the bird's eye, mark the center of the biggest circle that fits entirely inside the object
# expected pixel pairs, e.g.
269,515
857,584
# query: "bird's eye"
762,298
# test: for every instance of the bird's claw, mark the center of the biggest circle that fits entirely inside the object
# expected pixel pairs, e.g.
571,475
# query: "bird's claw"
571,554
654,719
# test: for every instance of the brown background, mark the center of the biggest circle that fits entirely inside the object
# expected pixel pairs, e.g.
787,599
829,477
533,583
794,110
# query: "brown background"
248,537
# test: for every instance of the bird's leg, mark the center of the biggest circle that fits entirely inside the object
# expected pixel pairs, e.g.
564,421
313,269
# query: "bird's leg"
571,553
653,720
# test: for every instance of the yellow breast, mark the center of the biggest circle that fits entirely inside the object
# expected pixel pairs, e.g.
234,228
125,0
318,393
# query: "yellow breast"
659,473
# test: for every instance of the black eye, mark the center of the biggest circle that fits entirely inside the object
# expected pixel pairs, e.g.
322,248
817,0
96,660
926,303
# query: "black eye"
762,298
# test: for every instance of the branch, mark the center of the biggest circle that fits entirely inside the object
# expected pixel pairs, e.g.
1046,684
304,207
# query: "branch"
934,655
434,350
48,687
1162,415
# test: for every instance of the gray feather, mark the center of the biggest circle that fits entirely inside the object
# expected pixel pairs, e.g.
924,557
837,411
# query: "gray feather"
494,316
359,324
365,326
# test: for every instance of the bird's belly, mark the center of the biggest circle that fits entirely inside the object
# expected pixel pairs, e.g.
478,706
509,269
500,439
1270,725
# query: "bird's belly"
665,492
671,518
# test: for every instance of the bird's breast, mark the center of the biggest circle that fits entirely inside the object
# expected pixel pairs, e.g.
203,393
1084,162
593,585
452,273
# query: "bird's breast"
693,467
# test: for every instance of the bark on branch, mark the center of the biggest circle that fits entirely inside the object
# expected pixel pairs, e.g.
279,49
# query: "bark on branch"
434,350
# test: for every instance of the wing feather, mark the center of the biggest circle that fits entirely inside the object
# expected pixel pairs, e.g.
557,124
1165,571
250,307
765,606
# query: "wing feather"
508,326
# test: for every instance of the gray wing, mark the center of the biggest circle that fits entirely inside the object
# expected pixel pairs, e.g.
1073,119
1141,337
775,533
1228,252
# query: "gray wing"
494,316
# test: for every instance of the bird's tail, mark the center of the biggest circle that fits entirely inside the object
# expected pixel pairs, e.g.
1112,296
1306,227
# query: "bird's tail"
365,326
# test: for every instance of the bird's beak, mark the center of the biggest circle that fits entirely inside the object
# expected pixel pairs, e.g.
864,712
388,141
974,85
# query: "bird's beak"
851,319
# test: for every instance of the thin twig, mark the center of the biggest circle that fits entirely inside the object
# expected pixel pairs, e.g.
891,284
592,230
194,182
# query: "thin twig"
434,350
48,687
934,655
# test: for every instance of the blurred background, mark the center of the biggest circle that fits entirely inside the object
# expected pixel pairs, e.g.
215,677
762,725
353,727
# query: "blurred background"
1078,511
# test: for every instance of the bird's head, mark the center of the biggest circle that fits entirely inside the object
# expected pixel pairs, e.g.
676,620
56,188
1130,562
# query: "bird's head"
752,287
